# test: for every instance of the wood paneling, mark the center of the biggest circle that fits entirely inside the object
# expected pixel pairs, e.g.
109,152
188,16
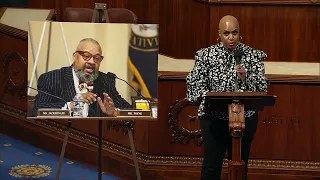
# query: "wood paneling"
42,4
286,144
183,25
282,148
289,130
277,2
61,5
284,134
284,32
12,40
149,14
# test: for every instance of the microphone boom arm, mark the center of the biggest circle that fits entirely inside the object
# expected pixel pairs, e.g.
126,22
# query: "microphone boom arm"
115,76
50,95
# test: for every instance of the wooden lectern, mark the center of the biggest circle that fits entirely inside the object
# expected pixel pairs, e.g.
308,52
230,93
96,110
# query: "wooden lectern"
236,103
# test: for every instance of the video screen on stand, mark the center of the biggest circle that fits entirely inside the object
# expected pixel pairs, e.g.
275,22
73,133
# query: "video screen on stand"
108,66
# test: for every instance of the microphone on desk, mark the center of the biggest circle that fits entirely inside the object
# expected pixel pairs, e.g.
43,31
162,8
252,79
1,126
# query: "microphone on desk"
51,96
66,104
116,77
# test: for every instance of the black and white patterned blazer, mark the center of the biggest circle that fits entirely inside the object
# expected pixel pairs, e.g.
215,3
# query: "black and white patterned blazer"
214,72
60,83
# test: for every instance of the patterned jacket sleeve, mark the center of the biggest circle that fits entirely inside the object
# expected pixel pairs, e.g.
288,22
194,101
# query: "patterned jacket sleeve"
255,78
197,80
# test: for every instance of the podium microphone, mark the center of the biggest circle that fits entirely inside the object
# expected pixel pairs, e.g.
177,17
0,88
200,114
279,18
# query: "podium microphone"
50,95
115,76
237,56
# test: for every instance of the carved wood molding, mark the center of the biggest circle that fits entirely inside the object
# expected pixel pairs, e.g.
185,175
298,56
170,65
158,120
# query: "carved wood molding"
179,133
124,125
311,2
15,32
273,78
153,159
14,74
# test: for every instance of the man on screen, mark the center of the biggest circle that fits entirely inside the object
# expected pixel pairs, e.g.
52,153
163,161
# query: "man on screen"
216,70
83,76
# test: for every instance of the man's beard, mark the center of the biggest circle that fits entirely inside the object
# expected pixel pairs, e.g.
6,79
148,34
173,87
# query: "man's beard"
83,76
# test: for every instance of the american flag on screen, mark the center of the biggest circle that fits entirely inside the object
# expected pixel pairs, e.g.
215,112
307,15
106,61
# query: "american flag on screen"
143,59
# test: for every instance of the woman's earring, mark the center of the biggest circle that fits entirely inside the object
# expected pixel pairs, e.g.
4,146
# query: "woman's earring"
218,40
240,37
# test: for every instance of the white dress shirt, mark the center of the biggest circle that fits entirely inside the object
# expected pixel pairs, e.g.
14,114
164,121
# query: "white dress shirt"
84,90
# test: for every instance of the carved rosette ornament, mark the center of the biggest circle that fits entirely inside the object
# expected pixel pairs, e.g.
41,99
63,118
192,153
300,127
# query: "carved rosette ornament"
15,74
181,134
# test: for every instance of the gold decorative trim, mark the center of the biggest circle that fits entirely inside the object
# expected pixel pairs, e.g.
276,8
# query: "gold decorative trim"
30,171
151,159
13,112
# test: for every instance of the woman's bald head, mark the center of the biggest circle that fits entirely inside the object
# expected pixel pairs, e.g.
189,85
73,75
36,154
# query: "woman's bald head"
229,31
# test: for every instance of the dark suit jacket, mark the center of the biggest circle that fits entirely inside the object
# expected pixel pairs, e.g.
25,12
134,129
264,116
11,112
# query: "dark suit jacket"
60,83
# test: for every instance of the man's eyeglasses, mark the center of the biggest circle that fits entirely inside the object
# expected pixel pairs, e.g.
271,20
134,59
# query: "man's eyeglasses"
87,56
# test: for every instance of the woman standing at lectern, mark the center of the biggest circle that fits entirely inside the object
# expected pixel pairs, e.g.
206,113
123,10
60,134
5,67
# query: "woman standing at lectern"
216,70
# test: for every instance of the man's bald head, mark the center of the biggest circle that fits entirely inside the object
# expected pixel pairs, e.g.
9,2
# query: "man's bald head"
229,31
87,59
86,41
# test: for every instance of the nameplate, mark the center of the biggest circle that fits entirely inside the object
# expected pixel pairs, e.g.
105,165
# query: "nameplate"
53,112
135,112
